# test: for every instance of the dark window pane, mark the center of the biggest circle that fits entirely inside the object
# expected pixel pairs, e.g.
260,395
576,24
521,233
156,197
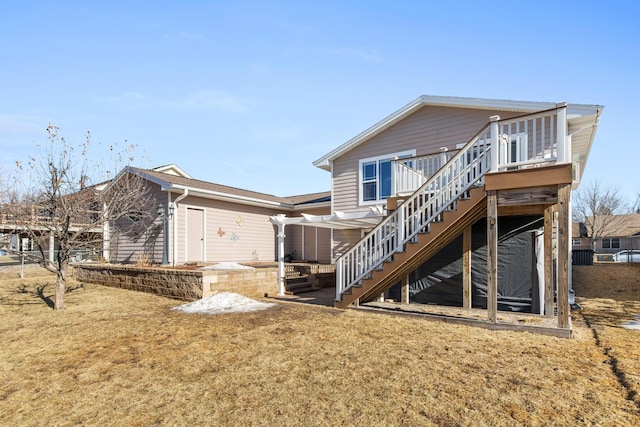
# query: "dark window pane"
369,171
385,179
369,191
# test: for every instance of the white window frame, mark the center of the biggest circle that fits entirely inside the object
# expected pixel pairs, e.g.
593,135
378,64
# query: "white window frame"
610,240
576,242
377,159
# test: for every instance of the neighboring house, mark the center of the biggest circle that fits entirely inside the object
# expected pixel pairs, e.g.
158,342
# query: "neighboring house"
206,222
505,166
622,233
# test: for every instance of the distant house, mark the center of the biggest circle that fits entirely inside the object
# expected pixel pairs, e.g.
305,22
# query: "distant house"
456,179
202,222
622,233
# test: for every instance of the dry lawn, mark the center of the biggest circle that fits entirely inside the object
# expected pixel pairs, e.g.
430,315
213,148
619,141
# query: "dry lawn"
117,357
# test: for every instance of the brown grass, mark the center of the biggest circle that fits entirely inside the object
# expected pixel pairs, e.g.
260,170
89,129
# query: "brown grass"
117,357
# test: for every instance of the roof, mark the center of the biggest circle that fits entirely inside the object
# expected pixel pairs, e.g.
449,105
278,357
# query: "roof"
621,226
172,182
573,111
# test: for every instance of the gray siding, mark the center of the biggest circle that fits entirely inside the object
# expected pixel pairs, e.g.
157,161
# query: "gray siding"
233,232
426,131
135,242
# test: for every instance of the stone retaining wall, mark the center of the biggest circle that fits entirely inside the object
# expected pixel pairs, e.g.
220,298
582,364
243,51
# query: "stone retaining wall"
253,283
188,285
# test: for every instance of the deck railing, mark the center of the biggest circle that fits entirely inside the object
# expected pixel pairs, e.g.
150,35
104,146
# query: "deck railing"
532,140
522,142
526,141
410,173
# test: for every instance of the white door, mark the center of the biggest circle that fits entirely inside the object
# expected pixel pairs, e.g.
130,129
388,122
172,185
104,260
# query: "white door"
195,235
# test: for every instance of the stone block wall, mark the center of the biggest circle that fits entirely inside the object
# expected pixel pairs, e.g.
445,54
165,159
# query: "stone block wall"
179,284
253,283
188,285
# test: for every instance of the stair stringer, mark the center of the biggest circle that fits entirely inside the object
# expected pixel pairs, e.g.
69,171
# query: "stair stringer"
428,244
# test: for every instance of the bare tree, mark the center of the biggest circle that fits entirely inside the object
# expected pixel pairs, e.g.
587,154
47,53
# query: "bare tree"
64,197
596,206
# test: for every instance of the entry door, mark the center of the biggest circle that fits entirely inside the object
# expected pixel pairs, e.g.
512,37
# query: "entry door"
195,235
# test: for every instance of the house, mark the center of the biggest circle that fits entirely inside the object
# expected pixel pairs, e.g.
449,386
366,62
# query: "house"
454,179
196,221
622,233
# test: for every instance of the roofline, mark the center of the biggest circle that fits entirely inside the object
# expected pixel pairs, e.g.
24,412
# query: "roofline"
324,162
219,195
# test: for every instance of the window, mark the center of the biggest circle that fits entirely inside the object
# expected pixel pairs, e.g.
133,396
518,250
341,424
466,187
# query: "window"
375,177
576,242
610,243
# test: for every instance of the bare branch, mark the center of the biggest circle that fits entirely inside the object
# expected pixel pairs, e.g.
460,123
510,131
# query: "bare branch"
64,195
596,206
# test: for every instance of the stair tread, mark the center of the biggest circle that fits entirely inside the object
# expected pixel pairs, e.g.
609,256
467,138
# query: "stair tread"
302,290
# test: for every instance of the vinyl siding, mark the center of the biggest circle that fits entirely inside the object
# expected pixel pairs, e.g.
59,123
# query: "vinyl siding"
233,232
319,250
131,243
343,240
426,131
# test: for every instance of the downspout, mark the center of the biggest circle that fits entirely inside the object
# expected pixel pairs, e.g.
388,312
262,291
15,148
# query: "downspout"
175,226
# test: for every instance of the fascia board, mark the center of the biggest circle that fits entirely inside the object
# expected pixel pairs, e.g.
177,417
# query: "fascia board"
307,206
210,194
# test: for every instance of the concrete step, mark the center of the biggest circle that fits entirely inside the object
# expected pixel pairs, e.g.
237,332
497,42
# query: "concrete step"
299,288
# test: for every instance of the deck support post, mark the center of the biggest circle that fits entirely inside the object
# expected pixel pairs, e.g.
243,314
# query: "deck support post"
548,260
404,294
492,255
495,147
564,148
466,268
564,236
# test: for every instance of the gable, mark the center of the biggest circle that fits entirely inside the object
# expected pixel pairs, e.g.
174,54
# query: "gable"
487,107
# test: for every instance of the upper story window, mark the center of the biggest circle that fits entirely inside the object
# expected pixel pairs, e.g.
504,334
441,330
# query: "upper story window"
610,243
375,179
576,242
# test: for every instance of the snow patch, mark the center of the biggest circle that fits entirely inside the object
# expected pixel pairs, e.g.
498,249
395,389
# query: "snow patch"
227,266
633,324
223,303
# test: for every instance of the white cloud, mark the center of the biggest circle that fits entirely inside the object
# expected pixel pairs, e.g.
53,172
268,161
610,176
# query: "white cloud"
198,100
12,125
368,55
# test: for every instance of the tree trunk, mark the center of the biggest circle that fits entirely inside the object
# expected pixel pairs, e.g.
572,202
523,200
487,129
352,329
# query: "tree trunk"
61,282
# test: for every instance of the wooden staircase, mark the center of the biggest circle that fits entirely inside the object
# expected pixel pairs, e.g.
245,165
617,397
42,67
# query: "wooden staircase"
452,223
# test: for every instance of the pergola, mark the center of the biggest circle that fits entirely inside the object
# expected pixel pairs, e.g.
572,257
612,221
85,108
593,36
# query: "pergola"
337,220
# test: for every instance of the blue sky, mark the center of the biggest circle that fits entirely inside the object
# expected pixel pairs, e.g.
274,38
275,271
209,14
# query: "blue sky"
249,94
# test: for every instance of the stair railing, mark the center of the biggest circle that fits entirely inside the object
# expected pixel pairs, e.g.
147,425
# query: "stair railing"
530,140
410,173
439,193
